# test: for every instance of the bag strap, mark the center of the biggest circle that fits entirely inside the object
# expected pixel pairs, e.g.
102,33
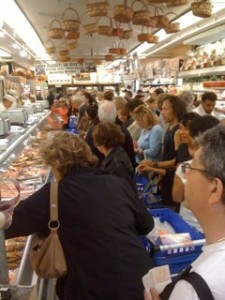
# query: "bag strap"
198,283
200,286
54,201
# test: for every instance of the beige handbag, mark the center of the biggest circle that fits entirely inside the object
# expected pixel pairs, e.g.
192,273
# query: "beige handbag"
46,254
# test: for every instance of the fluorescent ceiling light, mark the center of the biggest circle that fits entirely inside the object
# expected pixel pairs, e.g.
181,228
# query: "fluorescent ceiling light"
14,17
4,53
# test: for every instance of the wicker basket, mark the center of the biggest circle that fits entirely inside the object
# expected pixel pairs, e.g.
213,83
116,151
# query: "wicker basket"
71,35
70,24
172,28
123,13
90,28
109,57
202,9
173,3
142,16
71,45
117,30
64,58
80,60
63,50
97,9
147,37
50,47
114,49
55,32
105,29
122,50
127,34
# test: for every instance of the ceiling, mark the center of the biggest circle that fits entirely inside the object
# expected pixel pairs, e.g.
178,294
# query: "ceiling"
40,14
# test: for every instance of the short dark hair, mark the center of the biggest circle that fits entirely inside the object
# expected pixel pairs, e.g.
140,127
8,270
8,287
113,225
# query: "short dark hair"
108,95
133,103
187,118
108,134
202,123
159,91
209,96
92,111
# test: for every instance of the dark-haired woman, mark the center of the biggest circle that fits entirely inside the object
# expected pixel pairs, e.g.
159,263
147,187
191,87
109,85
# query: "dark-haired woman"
108,139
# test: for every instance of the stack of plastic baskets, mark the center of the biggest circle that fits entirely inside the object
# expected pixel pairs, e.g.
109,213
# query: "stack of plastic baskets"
177,258
150,200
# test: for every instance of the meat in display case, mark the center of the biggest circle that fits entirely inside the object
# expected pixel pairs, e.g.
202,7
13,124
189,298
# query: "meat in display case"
20,166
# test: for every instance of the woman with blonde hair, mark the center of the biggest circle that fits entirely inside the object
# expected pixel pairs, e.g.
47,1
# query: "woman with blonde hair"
148,145
100,219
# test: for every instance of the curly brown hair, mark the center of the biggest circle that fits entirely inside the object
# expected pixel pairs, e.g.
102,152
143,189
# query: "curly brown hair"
67,150
108,134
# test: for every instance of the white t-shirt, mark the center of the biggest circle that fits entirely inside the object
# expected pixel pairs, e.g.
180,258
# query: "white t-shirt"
200,110
186,213
210,265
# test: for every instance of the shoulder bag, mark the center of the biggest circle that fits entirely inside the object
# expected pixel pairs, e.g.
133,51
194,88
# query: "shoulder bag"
46,254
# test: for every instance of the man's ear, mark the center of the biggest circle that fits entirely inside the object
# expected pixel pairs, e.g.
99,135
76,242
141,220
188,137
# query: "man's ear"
216,191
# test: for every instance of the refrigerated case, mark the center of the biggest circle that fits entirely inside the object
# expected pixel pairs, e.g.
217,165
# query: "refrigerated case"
26,285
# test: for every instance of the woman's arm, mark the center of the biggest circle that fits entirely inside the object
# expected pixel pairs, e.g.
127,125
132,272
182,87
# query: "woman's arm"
178,190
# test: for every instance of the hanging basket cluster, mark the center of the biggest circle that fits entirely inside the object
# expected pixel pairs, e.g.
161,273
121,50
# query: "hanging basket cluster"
67,27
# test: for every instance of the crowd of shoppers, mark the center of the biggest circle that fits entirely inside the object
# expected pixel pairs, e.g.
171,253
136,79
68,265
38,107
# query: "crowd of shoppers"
100,213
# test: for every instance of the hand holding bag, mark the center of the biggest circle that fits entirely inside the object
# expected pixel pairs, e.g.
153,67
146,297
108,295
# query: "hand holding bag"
46,254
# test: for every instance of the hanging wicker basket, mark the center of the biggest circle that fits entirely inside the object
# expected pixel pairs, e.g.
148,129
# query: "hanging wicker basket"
127,34
117,30
65,58
174,3
109,57
105,29
50,47
122,50
172,28
70,24
90,28
71,35
159,20
202,9
147,37
71,45
97,9
63,50
55,32
80,60
123,13
114,49
142,16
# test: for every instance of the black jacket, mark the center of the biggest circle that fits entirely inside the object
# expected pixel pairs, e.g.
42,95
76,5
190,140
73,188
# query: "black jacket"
100,219
127,145
119,164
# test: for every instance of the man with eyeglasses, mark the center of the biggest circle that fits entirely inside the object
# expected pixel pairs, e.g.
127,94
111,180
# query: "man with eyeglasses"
195,128
205,196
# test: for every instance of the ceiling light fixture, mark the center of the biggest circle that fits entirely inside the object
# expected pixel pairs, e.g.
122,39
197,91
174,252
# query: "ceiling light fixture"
14,18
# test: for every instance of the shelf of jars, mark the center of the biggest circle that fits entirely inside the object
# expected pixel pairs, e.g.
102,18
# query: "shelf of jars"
216,70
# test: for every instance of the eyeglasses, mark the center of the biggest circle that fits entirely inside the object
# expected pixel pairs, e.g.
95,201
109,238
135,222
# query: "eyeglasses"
186,168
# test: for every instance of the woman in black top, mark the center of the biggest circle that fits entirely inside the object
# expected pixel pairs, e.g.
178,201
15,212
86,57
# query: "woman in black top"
108,139
100,219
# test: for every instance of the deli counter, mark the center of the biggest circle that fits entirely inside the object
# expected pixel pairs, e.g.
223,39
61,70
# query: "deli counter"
19,161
